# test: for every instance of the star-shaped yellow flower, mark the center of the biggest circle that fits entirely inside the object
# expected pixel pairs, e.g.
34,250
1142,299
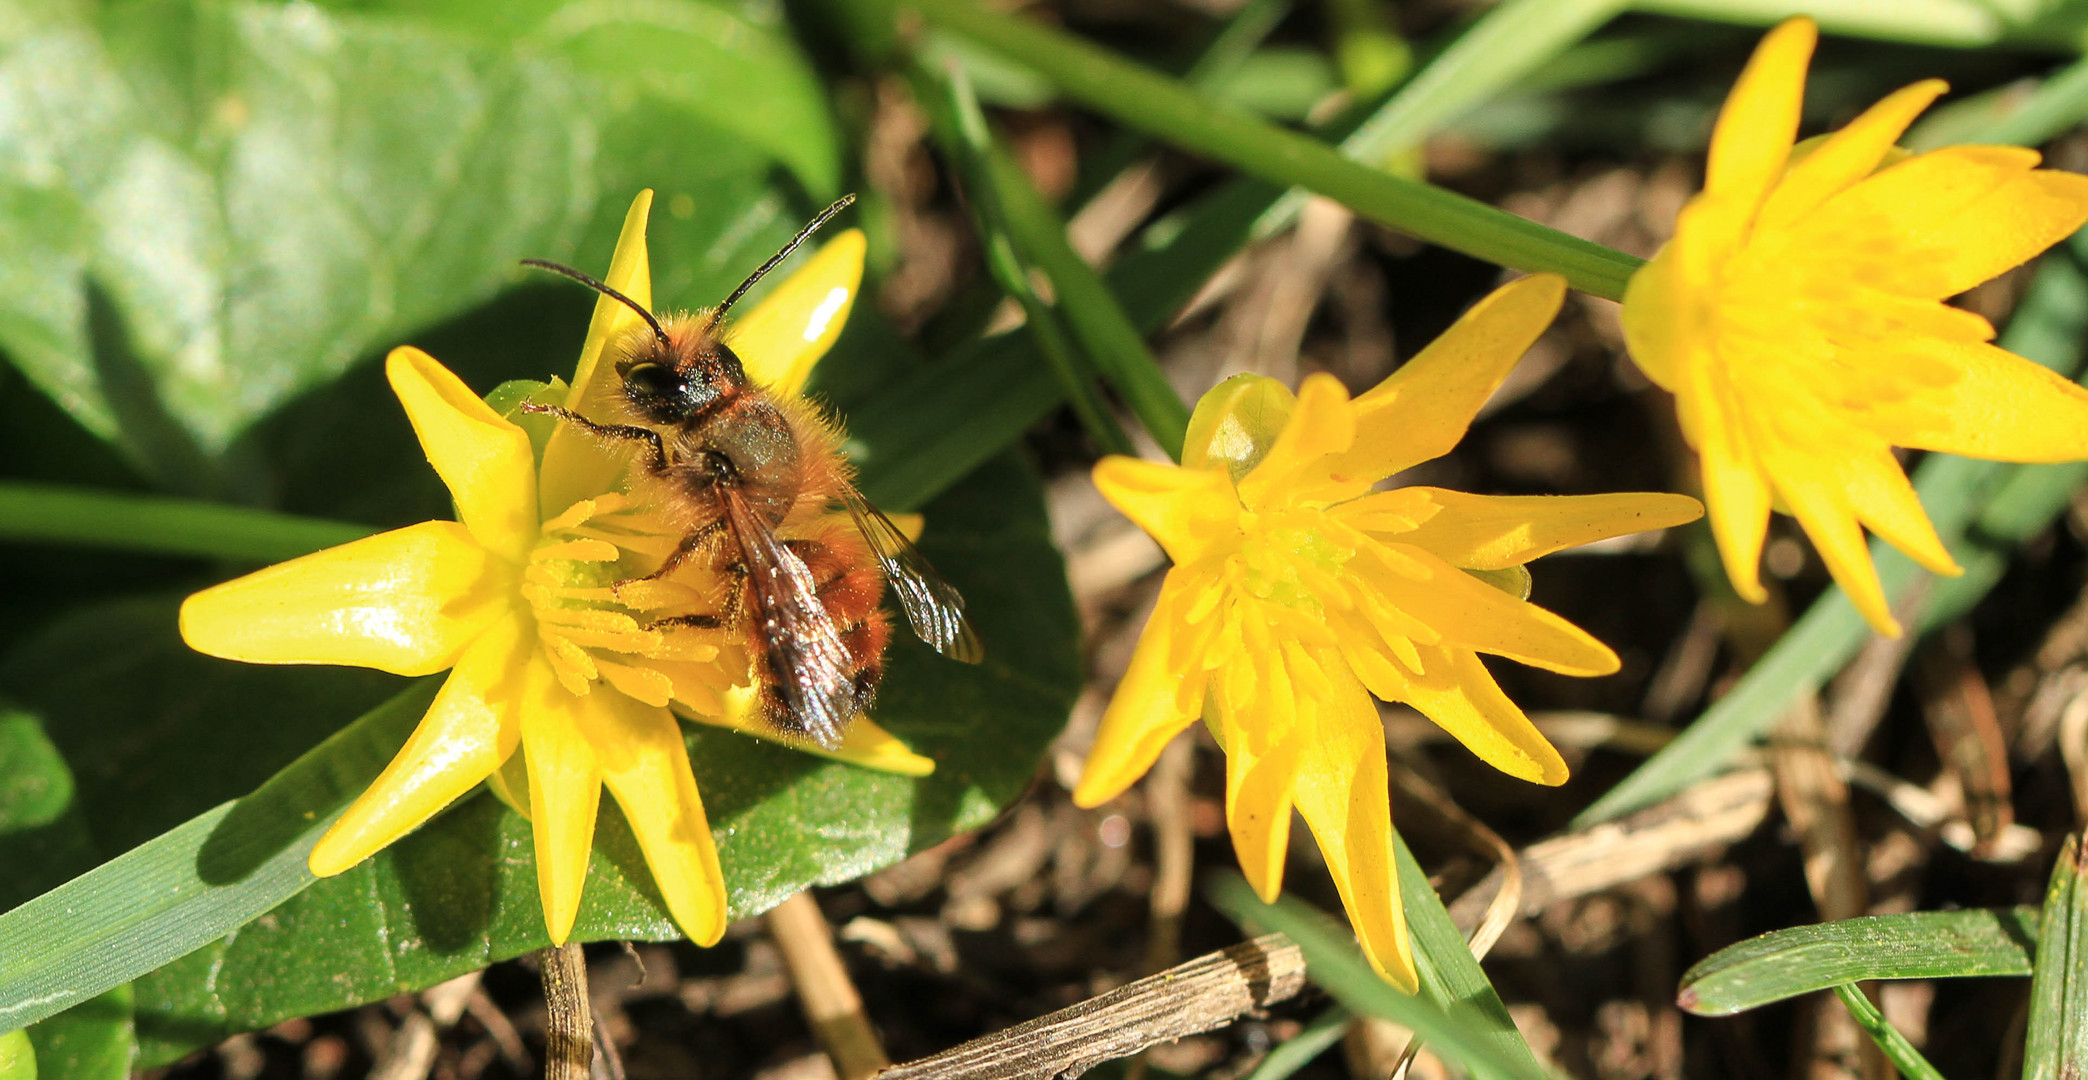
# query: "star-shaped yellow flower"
1797,317
1299,591
515,600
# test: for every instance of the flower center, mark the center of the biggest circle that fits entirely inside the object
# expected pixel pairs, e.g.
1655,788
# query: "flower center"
1285,558
656,640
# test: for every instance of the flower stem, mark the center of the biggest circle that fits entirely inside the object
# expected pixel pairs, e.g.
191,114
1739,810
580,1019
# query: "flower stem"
1163,108
86,517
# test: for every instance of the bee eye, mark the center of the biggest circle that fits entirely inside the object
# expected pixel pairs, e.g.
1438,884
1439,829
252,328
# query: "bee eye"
652,381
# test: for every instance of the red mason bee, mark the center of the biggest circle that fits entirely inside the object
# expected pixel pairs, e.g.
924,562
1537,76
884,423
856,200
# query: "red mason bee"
731,463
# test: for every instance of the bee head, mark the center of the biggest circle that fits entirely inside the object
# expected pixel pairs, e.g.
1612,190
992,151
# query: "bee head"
669,390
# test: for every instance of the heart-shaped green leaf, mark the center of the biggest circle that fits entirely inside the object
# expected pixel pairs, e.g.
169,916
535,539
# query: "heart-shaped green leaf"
208,207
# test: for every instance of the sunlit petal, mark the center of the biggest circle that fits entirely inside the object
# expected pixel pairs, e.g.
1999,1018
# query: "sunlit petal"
1342,794
565,787
863,743
1186,510
1829,521
646,766
2002,407
577,466
1146,711
408,601
1258,791
794,325
470,729
1321,424
486,462
1469,613
1759,122
1947,220
1846,156
1493,532
1460,695
1421,410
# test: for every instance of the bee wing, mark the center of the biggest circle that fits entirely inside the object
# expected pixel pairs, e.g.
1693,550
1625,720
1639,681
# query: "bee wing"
933,608
800,643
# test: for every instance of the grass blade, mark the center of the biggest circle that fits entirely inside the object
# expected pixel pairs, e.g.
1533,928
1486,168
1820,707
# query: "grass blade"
1162,107
961,127
1895,1045
55,514
194,883
2057,1042
1450,975
1804,959
1299,1050
1460,1032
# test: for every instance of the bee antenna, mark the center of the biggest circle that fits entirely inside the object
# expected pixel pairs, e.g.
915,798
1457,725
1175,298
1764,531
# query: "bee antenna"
567,271
825,215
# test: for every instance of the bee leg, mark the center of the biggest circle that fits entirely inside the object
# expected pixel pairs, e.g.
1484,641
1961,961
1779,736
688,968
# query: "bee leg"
688,547
656,454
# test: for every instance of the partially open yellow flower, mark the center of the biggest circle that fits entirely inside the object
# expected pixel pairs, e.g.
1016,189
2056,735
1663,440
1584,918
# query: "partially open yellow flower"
1797,317
515,599
1299,591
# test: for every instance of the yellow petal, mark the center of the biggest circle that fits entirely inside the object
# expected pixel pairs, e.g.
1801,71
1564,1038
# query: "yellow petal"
1460,695
1186,510
1421,411
1951,218
1736,490
794,325
1322,423
1342,794
863,743
2001,407
630,273
1258,791
1759,122
577,466
1236,423
646,766
470,729
565,786
1846,156
1885,502
1823,511
1494,532
408,601
1148,708
1471,614
486,462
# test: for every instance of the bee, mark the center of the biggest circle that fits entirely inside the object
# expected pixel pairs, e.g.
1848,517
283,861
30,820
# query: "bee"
731,463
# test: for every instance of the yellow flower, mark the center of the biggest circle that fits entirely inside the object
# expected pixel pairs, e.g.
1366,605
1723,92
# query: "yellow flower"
1797,317
515,600
1299,591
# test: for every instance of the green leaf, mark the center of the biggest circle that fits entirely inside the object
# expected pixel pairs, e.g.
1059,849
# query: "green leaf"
2057,1042
726,66
1459,1030
1299,1050
43,840
461,892
210,206
1803,959
94,1040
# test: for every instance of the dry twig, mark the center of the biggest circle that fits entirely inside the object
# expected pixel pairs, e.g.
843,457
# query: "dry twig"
1203,994
824,990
